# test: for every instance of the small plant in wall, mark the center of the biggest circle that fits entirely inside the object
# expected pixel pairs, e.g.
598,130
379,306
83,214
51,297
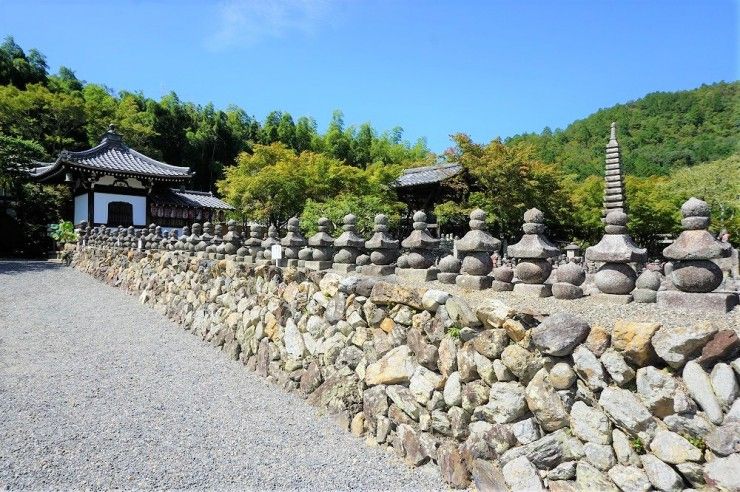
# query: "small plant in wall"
454,331
637,445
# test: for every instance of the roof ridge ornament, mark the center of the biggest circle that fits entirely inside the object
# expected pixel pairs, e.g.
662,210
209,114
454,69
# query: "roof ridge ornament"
112,136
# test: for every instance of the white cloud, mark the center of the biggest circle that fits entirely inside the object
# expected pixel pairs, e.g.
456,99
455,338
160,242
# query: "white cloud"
245,22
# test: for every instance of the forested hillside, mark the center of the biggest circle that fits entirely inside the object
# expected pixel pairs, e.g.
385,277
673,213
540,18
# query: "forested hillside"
59,111
658,133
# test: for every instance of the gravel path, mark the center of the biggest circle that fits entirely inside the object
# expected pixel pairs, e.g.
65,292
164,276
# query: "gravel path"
98,391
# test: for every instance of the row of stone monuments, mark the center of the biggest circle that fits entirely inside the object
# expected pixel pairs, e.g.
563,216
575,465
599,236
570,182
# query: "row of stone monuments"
693,277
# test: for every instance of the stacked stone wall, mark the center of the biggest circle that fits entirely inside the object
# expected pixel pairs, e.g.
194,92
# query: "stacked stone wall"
503,399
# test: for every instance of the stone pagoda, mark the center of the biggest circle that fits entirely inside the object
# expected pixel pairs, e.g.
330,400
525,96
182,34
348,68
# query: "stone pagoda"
476,248
292,243
694,273
321,246
532,252
614,197
350,246
273,238
616,251
251,247
383,249
231,242
418,261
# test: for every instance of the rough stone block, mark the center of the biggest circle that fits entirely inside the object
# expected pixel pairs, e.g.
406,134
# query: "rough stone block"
499,286
562,290
533,290
317,265
473,282
377,270
645,295
418,274
711,302
343,267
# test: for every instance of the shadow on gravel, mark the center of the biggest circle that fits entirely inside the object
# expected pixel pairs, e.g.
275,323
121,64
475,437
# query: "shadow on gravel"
17,267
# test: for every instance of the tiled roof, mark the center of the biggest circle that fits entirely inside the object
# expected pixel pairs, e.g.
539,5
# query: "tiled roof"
428,174
189,198
114,157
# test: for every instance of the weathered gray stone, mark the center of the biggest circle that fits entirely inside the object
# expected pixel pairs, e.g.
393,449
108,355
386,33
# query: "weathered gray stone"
466,363
677,344
423,383
657,389
600,455
545,403
590,424
433,298
559,334
661,475
588,477
562,376
696,425
622,448
629,478
672,448
526,431
488,477
521,475
693,473
507,401
521,362
628,412
588,367
725,439
453,390
564,471
724,384
474,394
404,399
493,312
620,372
451,466
394,367
490,343
700,389
722,473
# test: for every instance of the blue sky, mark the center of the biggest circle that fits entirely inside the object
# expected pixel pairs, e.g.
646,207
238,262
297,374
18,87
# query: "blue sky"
486,68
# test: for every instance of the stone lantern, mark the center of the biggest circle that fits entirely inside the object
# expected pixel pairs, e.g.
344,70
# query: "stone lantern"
216,240
476,248
449,269
350,246
694,273
292,243
572,251
321,246
383,249
418,261
533,251
616,278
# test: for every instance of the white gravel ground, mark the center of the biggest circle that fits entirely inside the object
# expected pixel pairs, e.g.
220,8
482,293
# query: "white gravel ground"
98,391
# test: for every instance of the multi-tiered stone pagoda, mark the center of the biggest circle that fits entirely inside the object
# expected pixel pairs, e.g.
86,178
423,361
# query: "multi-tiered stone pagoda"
614,197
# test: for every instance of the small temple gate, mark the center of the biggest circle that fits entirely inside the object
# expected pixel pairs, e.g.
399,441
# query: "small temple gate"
115,185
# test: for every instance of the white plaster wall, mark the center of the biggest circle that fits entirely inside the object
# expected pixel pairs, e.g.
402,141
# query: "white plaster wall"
109,180
80,208
103,199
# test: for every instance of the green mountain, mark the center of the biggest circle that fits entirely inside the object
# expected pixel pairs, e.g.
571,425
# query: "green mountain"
658,133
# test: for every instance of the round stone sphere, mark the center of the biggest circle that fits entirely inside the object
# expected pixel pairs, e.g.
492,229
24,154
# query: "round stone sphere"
570,273
305,254
615,278
344,255
479,263
503,274
449,264
320,254
562,376
648,279
291,252
533,271
362,260
418,260
403,262
696,275
382,257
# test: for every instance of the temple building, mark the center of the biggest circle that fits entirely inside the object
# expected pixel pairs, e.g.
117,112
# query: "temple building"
114,185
